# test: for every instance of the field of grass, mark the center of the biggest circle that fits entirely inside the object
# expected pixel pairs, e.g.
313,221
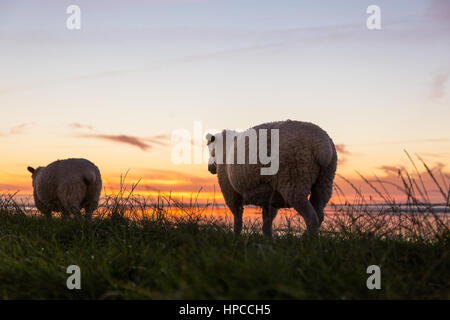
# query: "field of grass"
124,254
162,257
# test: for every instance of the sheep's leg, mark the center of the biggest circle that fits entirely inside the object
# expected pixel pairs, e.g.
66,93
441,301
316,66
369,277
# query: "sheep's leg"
318,205
71,209
42,208
47,213
237,209
237,214
76,211
310,216
65,213
89,209
88,214
297,197
234,202
268,214
71,197
91,200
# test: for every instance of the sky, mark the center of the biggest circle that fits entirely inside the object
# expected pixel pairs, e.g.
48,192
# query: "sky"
137,71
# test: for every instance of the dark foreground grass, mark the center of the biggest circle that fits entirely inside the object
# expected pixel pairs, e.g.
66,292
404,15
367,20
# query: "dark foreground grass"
186,258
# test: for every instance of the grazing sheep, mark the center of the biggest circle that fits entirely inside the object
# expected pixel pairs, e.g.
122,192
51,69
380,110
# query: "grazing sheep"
67,186
307,165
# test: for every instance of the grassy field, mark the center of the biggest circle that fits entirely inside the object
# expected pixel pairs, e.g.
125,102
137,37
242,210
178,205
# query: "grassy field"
159,257
124,254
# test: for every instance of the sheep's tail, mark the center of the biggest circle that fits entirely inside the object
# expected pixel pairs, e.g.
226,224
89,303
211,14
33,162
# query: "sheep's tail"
322,188
89,178
93,182
325,152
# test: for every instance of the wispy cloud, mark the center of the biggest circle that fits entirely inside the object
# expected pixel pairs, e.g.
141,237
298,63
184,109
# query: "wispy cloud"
342,148
394,170
76,125
268,39
142,143
435,155
342,153
390,169
21,128
393,183
18,129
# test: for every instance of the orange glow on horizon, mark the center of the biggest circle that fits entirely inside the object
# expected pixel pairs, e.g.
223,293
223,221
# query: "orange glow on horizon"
188,186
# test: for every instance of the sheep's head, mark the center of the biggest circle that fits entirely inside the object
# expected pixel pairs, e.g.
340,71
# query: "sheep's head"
212,165
34,172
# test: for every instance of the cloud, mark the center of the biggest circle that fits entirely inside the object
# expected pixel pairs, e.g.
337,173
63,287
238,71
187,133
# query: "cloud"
134,141
342,148
390,169
438,83
161,140
435,155
142,143
21,128
18,129
76,125
438,166
392,186
394,170
342,153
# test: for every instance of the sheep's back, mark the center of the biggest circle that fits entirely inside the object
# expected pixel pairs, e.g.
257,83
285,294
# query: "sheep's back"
63,173
299,151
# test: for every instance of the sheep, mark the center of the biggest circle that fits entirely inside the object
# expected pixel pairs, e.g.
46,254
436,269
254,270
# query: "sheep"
67,186
307,166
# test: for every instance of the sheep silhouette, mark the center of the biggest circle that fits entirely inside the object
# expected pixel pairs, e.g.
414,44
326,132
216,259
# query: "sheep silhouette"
67,186
307,167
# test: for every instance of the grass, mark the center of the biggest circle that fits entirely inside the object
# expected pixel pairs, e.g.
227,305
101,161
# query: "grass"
124,254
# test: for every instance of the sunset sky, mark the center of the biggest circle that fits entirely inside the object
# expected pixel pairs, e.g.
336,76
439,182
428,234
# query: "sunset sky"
115,90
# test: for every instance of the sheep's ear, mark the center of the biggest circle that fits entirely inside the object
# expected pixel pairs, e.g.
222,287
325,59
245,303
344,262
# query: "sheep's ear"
31,169
210,137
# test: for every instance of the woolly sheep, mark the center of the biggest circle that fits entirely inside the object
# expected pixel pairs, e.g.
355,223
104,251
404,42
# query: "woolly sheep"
307,166
67,186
